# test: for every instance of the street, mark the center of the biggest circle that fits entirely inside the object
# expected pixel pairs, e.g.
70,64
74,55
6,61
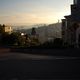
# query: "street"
19,66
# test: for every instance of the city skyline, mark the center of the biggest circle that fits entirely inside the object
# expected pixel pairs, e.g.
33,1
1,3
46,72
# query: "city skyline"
24,12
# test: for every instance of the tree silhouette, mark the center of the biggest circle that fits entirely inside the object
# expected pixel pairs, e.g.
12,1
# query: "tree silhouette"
33,31
2,28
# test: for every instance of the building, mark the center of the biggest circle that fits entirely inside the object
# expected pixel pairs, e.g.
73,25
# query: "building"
71,25
5,28
8,29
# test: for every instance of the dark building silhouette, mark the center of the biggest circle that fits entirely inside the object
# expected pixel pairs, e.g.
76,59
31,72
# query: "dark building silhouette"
71,25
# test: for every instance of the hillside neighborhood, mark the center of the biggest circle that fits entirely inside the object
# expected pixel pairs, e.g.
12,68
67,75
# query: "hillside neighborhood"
65,34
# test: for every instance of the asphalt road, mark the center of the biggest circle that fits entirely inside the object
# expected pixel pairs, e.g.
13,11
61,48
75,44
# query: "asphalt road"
19,66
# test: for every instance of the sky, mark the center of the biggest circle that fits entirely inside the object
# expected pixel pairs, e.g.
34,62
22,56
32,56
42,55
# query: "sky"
25,12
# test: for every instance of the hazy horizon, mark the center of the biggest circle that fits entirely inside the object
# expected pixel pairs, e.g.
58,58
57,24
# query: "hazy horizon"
30,12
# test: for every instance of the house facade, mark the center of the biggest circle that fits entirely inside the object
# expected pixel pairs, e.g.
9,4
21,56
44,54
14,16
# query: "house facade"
71,25
8,29
5,28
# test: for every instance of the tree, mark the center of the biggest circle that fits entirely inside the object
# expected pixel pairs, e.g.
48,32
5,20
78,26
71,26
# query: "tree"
5,39
33,31
13,39
2,28
17,39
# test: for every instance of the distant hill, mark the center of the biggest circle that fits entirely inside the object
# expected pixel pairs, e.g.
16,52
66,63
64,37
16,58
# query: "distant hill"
45,32
49,32
54,28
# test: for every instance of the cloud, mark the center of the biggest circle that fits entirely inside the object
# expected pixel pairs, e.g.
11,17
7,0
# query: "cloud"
24,18
48,15
33,11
